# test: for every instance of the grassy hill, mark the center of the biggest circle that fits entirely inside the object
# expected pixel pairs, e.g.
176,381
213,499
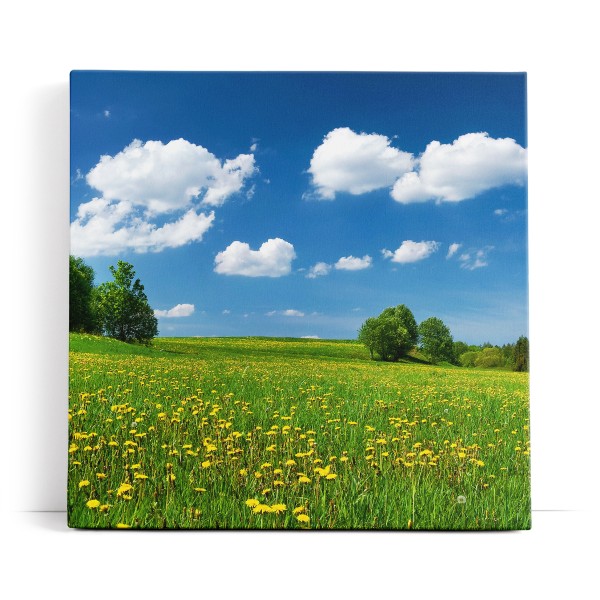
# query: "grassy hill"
290,433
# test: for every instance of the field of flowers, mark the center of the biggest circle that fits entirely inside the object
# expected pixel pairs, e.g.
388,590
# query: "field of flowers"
255,433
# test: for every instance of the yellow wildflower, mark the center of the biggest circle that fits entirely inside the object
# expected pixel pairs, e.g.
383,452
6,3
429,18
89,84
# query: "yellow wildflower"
124,487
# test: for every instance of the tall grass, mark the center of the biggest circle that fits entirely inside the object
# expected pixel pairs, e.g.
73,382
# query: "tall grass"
239,432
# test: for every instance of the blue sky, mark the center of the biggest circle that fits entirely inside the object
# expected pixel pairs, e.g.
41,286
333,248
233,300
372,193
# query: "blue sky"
299,204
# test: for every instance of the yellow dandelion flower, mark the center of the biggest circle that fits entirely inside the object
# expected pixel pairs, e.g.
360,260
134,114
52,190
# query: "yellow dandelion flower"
480,463
206,464
278,508
290,463
140,476
123,526
104,507
84,483
303,479
331,476
302,518
93,503
199,489
299,509
278,482
123,488
243,472
252,502
257,474
101,475
266,491
262,508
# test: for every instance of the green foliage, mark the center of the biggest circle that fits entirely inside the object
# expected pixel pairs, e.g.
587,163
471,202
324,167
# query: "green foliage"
390,335
489,357
521,354
123,309
459,348
81,289
367,335
467,359
436,340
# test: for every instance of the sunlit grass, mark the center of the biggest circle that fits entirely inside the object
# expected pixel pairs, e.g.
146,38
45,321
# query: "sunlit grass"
265,433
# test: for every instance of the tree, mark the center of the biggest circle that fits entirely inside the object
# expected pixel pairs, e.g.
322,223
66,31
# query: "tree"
391,335
467,359
81,290
489,357
436,340
459,348
123,307
521,355
367,335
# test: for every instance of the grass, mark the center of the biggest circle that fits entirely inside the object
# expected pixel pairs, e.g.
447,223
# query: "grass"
239,432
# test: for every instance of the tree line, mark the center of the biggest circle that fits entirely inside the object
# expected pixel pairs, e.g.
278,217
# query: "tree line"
395,333
117,308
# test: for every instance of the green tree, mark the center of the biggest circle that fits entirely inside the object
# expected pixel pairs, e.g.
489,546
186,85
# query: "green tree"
123,307
467,359
392,334
436,340
521,355
459,348
367,335
81,290
489,357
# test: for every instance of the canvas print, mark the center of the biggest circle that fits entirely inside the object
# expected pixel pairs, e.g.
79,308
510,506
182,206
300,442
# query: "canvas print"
298,301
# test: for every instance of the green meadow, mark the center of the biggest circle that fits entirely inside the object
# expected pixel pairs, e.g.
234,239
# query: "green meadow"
274,433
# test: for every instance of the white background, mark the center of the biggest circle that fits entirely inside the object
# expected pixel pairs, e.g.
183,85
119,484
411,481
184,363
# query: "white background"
554,42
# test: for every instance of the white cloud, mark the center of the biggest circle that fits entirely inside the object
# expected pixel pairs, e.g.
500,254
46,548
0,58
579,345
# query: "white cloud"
148,179
290,312
351,263
320,269
500,212
180,310
107,113
103,227
254,147
272,259
164,177
226,311
410,251
356,163
310,337
453,249
475,259
470,165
